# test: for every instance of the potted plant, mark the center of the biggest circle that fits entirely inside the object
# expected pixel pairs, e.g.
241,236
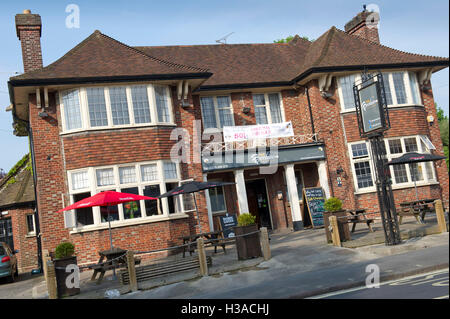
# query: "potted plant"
64,256
247,246
333,207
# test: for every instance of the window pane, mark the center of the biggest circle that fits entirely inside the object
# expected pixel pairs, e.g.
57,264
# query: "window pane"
399,86
141,107
72,112
80,180
416,172
225,114
105,177
84,216
217,199
363,174
346,84
429,170
30,223
113,212
258,99
162,104
97,106
149,172
387,88
119,105
414,87
151,206
172,200
275,109
208,112
400,173
260,115
131,209
359,150
170,170
411,144
395,146
127,174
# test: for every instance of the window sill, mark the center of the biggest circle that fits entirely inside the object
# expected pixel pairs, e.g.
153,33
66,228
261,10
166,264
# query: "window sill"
389,107
107,128
125,223
30,235
396,187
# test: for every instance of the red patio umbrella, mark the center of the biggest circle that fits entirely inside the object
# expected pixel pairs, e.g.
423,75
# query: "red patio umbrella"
107,198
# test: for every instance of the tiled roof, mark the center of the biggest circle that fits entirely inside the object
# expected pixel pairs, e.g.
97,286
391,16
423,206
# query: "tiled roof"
20,189
102,56
230,64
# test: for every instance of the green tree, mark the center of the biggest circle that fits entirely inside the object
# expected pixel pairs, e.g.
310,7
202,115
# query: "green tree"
290,38
444,128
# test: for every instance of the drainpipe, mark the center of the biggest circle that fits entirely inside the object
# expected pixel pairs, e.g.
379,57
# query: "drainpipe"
310,111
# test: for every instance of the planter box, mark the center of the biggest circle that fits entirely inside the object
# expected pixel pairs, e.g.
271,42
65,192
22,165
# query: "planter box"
344,231
248,246
61,276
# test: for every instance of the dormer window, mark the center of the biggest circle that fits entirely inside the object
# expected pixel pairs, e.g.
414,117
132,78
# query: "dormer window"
115,107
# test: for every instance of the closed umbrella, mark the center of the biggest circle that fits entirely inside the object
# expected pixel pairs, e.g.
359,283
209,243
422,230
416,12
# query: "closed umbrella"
107,198
193,187
414,157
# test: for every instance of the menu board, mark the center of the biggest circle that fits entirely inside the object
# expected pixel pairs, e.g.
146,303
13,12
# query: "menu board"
313,201
227,223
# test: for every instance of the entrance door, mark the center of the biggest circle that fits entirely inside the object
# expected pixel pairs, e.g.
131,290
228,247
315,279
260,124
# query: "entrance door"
258,203
6,234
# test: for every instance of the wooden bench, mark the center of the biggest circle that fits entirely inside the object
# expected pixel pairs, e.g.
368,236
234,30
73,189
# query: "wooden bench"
109,265
222,242
161,269
416,210
358,216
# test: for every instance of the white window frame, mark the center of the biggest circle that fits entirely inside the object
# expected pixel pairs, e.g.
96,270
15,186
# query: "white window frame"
85,116
117,186
389,81
225,200
33,232
389,156
267,106
216,110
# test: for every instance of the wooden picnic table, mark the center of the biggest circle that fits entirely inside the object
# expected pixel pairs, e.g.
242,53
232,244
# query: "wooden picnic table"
109,260
416,208
191,240
355,218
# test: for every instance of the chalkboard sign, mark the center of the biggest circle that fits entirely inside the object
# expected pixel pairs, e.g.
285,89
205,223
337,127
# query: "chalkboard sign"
313,201
227,223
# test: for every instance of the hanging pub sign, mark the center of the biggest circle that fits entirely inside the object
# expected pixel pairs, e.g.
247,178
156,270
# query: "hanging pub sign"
371,106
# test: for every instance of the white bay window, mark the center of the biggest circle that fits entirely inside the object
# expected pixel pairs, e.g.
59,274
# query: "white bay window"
147,178
401,89
115,106
402,175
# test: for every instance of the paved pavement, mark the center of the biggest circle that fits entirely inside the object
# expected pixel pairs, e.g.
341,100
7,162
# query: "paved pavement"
433,285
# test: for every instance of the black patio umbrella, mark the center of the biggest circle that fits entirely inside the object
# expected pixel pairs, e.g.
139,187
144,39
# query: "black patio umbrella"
193,187
414,157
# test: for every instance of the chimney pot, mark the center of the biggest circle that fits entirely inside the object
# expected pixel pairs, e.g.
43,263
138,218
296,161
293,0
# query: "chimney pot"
27,11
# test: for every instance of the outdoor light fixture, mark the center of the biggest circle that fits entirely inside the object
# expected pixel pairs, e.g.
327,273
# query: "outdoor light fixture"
280,195
430,119
43,114
185,104
246,109
339,170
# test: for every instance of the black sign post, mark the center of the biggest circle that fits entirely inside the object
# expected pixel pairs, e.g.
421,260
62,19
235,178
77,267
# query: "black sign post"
373,120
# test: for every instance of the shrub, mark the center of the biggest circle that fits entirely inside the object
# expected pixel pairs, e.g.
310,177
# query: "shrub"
64,250
333,204
246,219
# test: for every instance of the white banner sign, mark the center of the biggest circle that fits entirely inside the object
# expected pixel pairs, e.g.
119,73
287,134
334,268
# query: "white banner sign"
251,132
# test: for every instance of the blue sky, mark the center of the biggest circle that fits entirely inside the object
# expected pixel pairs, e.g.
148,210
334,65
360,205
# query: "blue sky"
412,26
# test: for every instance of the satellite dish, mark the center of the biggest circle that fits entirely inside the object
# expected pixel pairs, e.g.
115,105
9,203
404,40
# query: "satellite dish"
224,39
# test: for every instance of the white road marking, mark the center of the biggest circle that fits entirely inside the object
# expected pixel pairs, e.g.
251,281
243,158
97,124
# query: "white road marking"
391,282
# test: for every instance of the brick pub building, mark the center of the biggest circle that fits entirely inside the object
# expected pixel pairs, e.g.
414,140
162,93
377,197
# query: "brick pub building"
102,117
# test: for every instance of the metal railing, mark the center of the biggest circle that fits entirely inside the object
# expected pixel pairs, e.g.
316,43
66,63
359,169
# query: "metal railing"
254,143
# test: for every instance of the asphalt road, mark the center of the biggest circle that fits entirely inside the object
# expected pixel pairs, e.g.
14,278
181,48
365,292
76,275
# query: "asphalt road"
433,285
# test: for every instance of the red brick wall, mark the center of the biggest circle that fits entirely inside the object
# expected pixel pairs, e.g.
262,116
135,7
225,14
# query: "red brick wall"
366,32
31,47
25,244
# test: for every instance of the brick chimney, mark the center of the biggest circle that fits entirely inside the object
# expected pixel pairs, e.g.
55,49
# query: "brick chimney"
28,28
365,25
